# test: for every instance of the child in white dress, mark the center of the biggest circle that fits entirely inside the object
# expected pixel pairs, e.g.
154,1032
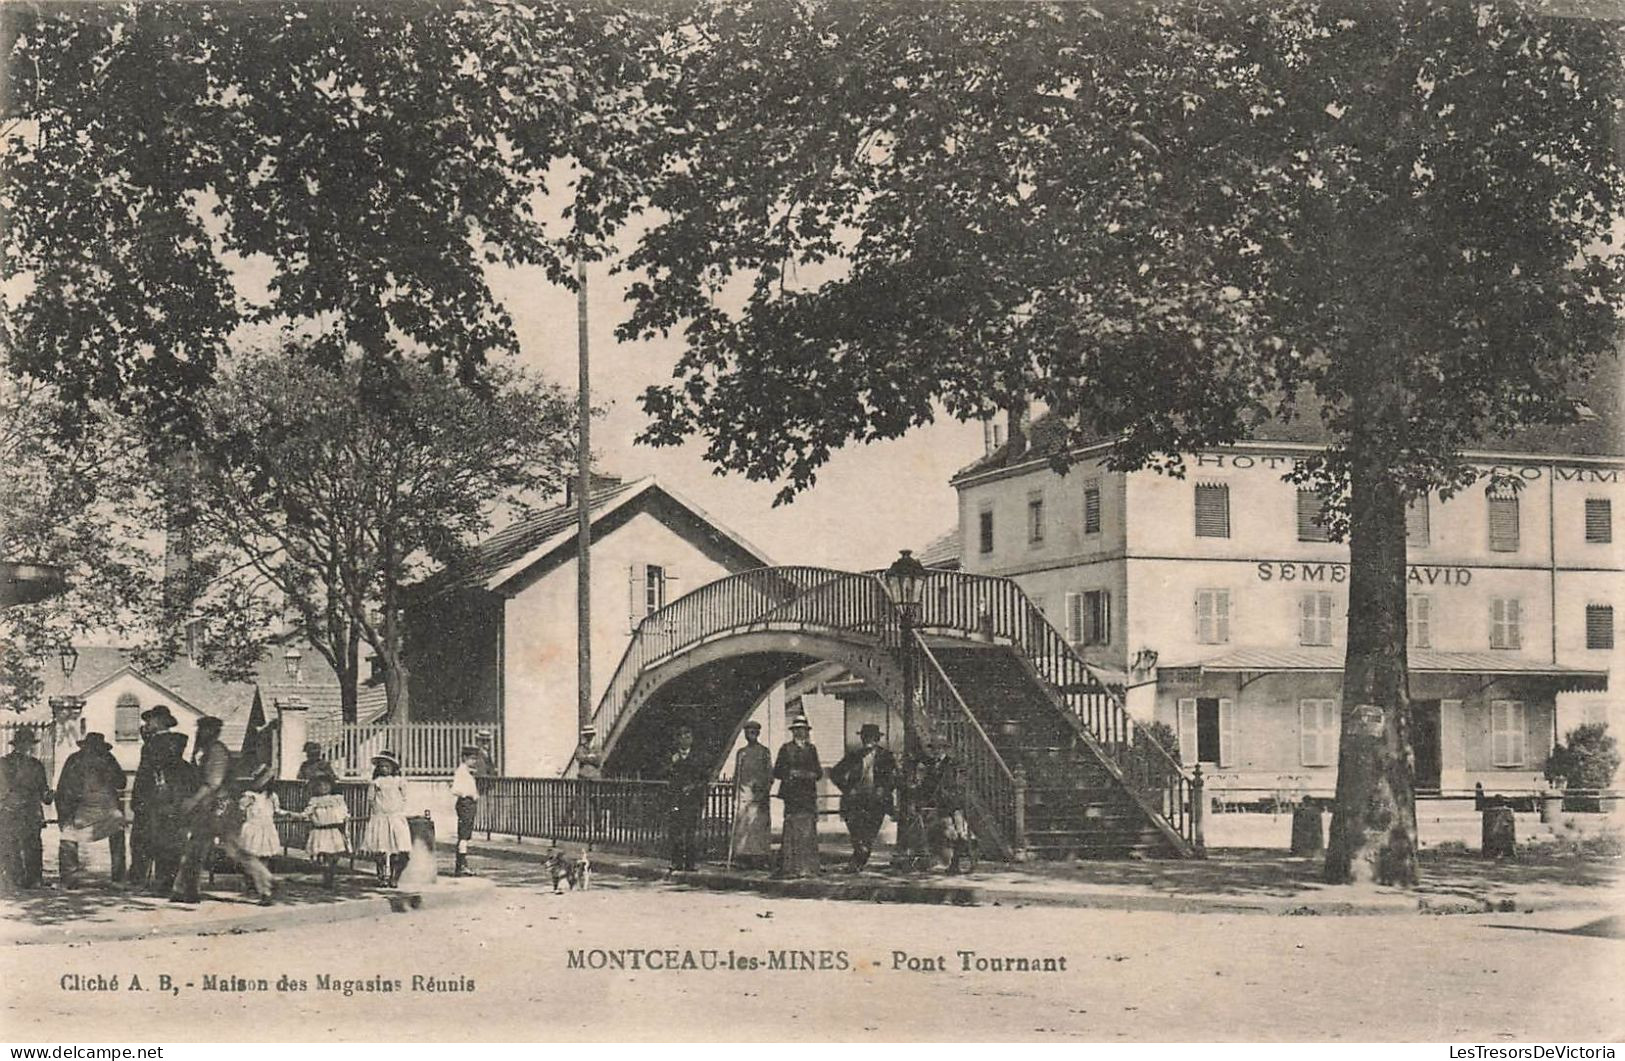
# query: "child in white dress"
259,836
387,837
329,820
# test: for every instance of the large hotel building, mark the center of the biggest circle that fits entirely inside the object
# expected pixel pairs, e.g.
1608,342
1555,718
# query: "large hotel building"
1221,606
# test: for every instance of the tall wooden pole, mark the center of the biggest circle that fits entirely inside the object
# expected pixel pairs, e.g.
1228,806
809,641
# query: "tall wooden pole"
583,509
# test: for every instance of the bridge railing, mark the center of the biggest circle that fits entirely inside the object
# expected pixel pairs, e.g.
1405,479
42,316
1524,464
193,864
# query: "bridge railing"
608,813
950,721
987,606
765,595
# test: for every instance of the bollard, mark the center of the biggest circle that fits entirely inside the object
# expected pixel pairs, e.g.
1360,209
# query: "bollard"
1500,833
1308,829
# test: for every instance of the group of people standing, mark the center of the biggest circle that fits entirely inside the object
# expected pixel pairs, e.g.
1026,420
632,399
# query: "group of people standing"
183,812
868,777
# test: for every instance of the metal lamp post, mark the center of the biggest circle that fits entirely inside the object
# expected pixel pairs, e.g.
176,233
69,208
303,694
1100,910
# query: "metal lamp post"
68,657
290,662
905,584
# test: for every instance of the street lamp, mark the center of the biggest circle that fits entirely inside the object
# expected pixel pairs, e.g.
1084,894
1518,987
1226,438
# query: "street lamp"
290,662
68,656
905,584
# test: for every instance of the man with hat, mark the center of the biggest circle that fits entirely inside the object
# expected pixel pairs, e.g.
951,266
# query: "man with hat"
88,794
465,789
23,788
143,817
753,809
211,813
867,778
688,779
798,770
589,763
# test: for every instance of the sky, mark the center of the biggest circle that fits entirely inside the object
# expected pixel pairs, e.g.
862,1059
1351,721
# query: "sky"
870,500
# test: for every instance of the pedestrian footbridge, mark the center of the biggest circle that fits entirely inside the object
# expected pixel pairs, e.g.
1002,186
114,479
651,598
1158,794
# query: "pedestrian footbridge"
1054,764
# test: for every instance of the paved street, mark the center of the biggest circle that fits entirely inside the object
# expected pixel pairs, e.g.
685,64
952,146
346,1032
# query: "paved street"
1133,976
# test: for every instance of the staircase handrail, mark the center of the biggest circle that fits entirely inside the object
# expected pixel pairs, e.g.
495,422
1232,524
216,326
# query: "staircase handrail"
996,607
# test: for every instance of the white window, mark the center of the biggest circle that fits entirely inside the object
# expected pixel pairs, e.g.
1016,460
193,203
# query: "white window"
1091,507
1315,618
1206,730
649,587
1507,732
1212,510
1035,518
127,718
1213,616
1318,723
1419,620
1506,622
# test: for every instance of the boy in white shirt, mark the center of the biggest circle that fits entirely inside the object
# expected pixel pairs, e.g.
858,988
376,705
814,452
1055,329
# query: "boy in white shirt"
467,793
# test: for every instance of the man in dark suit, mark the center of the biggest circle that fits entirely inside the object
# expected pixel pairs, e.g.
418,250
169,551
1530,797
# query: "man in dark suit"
88,794
23,788
688,780
867,778
144,840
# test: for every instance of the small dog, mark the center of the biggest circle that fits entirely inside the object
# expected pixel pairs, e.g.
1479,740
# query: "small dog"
576,873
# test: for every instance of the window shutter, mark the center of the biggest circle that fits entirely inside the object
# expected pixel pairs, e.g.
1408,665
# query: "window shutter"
1519,733
1331,728
1204,616
1221,616
1503,513
1417,526
1599,626
1599,520
1187,730
1308,510
1514,623
1309,737
1227,732
636,604
1074,617
1105,617
1212,510
1306,619
1091,510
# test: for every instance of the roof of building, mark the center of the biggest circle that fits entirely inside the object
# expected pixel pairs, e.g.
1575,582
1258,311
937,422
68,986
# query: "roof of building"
192,686
943,551
1600,431
1330,658
547,537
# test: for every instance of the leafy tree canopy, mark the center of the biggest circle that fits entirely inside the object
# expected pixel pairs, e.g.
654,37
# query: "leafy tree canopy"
1166,223
373,158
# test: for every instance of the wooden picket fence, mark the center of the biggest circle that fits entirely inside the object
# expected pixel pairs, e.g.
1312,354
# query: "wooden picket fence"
425,749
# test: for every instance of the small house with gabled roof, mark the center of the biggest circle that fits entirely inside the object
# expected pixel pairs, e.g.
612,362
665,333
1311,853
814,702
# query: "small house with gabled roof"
493,639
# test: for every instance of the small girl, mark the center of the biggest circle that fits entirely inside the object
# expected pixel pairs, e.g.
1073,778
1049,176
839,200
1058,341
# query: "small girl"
328,817
259,836
387,837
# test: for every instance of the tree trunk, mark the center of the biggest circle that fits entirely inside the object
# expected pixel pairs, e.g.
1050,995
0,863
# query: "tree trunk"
397,683
350,676
1373,833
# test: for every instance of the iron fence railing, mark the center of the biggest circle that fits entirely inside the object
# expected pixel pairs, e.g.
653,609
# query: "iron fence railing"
606,813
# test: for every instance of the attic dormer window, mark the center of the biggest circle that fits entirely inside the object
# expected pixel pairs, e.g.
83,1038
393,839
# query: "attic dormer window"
127,718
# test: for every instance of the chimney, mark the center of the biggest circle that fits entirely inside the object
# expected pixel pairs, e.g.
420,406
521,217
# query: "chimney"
1018,417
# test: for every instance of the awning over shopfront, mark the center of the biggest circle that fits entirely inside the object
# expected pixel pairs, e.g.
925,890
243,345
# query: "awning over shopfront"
1329,659
27,583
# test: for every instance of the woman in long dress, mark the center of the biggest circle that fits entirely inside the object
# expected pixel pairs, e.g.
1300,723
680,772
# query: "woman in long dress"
387,837
798,771
753,787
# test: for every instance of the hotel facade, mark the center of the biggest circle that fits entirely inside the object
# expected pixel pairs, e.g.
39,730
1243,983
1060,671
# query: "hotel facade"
1221,606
